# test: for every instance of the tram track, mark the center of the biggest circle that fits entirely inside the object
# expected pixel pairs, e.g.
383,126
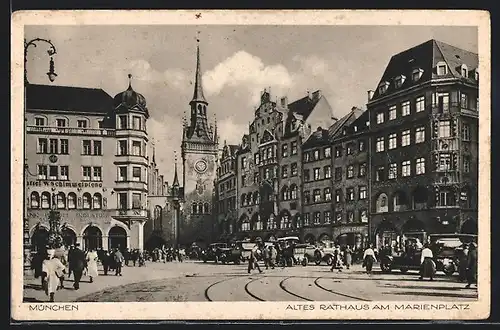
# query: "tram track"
316,282
282,286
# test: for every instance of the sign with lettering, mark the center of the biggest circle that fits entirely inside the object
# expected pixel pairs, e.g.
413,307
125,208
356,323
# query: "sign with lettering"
67,215
64,184
349,229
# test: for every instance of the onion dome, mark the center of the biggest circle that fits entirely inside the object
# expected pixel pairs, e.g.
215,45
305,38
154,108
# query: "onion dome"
130,99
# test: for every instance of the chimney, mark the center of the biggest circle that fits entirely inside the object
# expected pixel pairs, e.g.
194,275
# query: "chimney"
316,95
370,95
284,102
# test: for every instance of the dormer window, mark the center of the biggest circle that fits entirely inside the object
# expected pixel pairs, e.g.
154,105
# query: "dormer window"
463,70
382,88
476,74
398,82
442,69
416,74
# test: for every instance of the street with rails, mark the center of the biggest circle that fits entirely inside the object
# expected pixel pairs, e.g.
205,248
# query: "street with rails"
193,280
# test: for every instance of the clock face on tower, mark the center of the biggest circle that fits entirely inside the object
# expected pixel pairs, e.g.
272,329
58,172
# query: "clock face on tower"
200,166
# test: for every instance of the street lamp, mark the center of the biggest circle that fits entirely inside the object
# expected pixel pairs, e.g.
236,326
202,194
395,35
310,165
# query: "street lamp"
52,76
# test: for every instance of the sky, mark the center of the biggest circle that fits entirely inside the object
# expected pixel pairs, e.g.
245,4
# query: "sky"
238,62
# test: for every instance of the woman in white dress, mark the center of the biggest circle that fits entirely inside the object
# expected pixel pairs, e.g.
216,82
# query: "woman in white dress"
92,258
53,269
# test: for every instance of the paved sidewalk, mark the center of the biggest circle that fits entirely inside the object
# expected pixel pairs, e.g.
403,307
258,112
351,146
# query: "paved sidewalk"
153,271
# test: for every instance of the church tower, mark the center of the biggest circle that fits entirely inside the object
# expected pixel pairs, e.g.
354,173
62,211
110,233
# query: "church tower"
199,154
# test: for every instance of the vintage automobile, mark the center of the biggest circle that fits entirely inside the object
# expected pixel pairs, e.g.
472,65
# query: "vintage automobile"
246,247
303,253
445,248
213,252
230,254
324,253
286,246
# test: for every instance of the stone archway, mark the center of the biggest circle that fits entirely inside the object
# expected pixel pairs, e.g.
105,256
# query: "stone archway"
39,238
92,238
117,238
69,236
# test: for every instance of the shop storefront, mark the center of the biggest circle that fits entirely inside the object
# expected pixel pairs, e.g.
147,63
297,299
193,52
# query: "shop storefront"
354,236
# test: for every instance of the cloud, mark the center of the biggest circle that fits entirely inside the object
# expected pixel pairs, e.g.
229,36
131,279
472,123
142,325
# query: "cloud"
230,132
143,71
248,71
312,64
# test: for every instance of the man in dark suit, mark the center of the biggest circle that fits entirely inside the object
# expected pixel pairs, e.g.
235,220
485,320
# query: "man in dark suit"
77,263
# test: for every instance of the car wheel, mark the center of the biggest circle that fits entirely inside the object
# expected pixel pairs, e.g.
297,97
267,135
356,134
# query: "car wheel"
449,270
317,258
404,270
237,262
386,267
305,261
329,260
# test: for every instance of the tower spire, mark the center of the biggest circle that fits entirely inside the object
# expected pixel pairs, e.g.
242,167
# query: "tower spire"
198,86
176,179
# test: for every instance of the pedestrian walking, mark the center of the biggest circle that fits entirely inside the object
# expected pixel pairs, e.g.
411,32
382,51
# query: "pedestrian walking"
472,265
369,258
92,265
337,259
106,261
77,263
53,269
462,263
265,257
427,265
348,256
272,256
70,252
60,253
252,260
118,257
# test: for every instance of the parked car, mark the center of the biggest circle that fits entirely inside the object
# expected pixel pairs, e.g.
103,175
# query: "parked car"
213,252
303,253
230,254
324,253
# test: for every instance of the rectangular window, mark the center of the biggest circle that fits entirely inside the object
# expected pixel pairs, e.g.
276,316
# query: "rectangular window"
136,148
405,108
327,171
328,152
317,196
349,194
284,150
420,104
443,102
362,170
293,168
446,198
316,154
466,164
362,145
98,148
464,102
42,172
392,112
256,158
350,171
338,173
123,122
406,168
81,123
267,173
379,147
244,178
53,146
307,220
294,147
380,174
97,173
122,173
122,148
444,162
256,177
307,197
87,173
317,218
136,201
350,149
420,166
466,132
362,192
441,69
328,194
380,118
350,216
338,151
42,146
86,147
64,175
444,129
393,141
136,173
284,171
306,157
393,171
136,123
338,195
338,217
64,146
363,215
122,201
99,123
61,122
53,172
328,217
420,134
316,174
405,138
39,121
306,175
243,162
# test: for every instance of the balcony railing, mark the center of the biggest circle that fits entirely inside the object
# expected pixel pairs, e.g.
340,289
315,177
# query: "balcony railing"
70,131
131,213
445,144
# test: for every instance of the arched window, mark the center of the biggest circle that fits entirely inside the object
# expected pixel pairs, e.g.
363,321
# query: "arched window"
200,109
86,201
61,201
243,200
286,221
206,208
45,200
271,222
35,200
293,192
381,203
284,193
195,208
256,197
71,200
97,201
249,199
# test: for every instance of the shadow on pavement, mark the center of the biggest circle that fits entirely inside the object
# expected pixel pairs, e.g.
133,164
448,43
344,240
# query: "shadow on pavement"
433,294
32,300
423,287
37,287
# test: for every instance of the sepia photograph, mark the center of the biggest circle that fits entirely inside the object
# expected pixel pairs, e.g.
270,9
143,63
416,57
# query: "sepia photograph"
333,170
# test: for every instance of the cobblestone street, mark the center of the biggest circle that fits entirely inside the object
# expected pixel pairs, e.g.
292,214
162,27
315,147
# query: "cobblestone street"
196,281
